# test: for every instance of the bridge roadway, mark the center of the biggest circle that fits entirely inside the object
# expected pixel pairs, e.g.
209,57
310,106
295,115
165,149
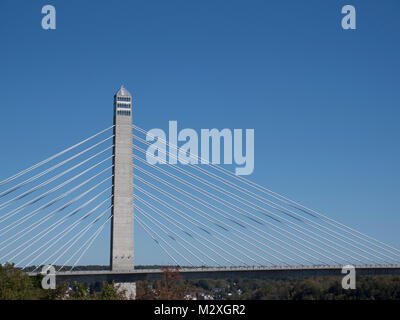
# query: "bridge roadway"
221,273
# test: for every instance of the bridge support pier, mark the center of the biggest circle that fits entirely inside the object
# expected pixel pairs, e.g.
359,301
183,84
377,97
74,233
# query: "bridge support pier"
129,289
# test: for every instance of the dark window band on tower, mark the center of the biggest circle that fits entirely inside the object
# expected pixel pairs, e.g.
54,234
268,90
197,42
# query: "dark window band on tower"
123,112
123,105
128,99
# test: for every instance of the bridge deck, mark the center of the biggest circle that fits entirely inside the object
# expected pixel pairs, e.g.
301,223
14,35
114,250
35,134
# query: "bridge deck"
217,273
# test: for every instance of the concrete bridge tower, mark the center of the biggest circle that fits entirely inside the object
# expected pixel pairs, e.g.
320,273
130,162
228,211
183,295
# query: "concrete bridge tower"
122,222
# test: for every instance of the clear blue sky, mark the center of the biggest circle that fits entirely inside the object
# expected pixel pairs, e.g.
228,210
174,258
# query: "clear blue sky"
324,102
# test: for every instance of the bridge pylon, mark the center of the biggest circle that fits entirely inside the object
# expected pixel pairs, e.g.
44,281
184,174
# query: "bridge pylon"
122,247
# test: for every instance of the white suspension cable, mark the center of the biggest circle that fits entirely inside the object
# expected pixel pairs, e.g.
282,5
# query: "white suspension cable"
180,228
158,223
196,233
48,229
278,196
91,242
234,241
255,207
37,176
218,199
49,244
155,240
173,248
76,237
203,213
207,205
54,178
29,229
157,211
52,157
290,223
13,212
18,222
175,210
205,230
234,198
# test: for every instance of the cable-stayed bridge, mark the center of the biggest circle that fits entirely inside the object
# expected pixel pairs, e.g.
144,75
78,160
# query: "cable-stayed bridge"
201,217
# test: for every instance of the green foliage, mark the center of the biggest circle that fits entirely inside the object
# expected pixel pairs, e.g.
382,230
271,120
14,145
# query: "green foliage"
59,293
79,292
110,292
15,285
315,288
204,284
171,287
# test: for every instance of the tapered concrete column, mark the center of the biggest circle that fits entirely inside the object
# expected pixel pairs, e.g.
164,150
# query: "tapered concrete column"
128,288
122,222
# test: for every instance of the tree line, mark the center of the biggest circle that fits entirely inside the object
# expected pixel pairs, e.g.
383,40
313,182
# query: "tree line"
17,285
